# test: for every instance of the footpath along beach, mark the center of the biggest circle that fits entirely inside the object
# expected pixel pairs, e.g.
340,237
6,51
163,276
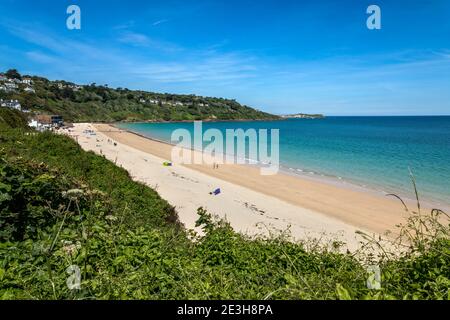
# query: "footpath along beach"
252,203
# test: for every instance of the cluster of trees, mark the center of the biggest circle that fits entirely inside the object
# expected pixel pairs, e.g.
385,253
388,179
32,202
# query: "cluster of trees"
101,103
13,74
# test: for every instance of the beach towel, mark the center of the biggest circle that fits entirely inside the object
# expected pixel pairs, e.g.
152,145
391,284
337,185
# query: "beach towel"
215,192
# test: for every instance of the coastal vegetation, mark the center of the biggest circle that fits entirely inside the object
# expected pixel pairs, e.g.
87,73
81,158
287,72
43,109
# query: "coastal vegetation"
99,103
61,206
10,119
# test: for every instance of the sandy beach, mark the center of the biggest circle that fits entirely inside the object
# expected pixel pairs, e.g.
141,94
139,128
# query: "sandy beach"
252,203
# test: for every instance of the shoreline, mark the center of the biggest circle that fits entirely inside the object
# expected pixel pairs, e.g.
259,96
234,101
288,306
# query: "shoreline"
248,211
333,180
254,205
359,209
192,121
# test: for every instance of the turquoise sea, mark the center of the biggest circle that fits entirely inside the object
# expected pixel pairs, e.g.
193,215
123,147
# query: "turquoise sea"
370,152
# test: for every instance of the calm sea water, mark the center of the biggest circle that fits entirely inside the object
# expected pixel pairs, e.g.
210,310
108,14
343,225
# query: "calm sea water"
372,152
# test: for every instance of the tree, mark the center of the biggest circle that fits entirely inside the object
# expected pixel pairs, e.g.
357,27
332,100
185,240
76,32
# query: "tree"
67,93
13,74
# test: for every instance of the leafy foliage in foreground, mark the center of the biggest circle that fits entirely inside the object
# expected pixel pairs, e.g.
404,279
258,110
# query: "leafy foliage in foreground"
61,206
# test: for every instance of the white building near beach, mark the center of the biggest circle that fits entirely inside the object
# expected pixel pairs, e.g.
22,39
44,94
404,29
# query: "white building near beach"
38,125
33,124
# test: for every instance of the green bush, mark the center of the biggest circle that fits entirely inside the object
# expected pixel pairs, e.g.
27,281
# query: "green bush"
25,191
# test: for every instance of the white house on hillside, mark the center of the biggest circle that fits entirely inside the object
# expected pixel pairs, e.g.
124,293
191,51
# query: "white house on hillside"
6,89
27,81
11,85
12,104
29,90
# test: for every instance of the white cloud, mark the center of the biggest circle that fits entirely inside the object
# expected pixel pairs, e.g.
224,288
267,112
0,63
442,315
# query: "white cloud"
41,57
159,22
141,40
135,39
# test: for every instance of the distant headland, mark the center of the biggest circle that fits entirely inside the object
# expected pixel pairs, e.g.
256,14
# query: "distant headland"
303,116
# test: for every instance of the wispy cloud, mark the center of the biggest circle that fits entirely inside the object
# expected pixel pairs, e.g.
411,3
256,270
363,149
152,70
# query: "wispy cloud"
135,39
372,82
124,26
56,44
97,61
142,40
41,57
156,23
218,68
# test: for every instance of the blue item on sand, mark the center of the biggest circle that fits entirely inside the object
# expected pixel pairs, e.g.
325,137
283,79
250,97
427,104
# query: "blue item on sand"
216,192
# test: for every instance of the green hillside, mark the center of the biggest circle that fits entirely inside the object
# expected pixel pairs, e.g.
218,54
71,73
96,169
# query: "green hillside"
10,119
100,103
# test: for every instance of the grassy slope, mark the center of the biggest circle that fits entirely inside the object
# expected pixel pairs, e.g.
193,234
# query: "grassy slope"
100,103
128,244
10,119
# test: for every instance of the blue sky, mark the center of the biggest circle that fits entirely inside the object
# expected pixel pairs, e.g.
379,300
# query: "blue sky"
277,56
